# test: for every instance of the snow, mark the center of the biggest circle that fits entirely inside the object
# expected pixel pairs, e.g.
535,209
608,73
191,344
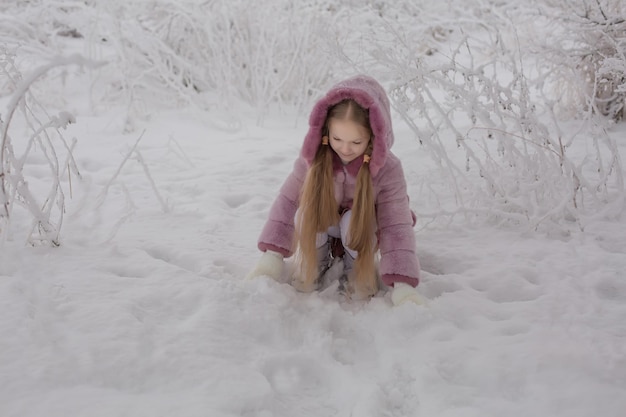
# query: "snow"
144,310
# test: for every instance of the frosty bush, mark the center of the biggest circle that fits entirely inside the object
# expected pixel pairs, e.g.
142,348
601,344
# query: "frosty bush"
42,143
478,92
468,76
198,53
585,58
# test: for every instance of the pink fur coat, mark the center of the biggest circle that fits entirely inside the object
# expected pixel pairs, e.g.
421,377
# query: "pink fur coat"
395,220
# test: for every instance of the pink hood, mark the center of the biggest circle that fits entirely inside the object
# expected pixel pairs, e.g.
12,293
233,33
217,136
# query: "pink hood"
370,95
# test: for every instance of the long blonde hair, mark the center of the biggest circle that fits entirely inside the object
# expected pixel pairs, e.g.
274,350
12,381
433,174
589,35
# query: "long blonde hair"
318,209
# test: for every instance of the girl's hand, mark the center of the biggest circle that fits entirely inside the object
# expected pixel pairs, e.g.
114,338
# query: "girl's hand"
271,264
403,293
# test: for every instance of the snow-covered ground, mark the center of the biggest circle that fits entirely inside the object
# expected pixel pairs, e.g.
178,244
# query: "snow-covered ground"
144,311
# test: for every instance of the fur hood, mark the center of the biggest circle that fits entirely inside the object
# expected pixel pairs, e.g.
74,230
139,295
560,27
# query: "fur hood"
370,95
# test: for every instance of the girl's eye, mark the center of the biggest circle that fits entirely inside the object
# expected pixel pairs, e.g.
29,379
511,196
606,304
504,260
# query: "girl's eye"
357,143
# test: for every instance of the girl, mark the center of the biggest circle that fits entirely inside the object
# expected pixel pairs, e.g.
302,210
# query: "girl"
345,187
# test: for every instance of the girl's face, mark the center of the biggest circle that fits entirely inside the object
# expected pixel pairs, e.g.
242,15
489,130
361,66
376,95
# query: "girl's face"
348,139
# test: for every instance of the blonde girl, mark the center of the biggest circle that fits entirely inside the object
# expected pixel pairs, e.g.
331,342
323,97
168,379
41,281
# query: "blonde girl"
346,187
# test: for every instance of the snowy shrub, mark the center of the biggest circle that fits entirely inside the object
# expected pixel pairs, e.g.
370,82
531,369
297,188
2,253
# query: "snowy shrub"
585,58
475,93
35,26
203,54
34,168
485,97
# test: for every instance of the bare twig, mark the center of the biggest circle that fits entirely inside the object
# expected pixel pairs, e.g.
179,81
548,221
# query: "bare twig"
143,164
102,196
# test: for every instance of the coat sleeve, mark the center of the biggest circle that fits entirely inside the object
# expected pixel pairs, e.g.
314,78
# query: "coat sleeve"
396,238
278,232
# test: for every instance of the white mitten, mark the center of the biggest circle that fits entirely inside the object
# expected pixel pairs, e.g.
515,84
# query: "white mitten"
271,264
402,293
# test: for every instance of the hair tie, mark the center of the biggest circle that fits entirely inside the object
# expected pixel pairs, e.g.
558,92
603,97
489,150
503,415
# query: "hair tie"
366,158
324,140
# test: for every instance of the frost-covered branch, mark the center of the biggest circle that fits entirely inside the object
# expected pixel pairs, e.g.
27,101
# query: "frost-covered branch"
497,105
585,56
15,188
481,94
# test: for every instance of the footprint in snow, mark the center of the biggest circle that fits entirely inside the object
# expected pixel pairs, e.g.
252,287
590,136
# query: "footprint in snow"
612,289
512,294
235,200
506,288
295,374
165,254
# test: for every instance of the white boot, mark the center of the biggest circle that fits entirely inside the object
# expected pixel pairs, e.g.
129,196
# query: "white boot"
324,262
348,285
346,280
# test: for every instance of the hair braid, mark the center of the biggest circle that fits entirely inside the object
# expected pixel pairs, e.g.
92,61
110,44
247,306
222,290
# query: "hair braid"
317,211
363,228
